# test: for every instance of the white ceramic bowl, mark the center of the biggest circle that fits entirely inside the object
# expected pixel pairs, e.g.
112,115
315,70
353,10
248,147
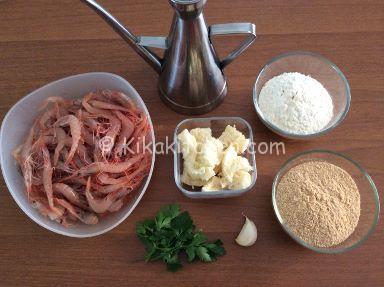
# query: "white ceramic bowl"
17,123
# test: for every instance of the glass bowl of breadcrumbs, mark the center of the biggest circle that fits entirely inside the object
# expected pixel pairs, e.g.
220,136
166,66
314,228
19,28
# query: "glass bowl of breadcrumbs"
325,201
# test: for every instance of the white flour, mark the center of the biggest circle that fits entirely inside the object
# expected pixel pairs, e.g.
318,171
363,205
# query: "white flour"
296,103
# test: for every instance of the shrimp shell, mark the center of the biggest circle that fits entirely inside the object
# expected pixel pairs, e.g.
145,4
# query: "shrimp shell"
75,127
126,132
61,137
98,167
47,175
83,216
107,106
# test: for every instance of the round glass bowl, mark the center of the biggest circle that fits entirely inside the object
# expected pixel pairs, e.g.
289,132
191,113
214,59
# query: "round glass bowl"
319,68
369,198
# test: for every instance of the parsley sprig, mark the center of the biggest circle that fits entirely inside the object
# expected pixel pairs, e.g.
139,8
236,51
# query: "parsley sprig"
171,233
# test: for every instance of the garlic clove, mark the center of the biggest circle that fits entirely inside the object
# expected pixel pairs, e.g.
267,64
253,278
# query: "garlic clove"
248,234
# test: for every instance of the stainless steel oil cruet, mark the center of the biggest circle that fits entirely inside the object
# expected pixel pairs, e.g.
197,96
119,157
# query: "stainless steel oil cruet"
191,78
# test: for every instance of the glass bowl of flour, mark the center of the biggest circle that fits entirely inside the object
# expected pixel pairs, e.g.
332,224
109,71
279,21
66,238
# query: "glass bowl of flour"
301,95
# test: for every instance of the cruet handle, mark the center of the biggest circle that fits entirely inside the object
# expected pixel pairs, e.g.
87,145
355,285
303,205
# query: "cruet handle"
153,42
232,29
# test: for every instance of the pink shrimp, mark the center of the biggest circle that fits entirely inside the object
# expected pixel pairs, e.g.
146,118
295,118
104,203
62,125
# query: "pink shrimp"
140,136
116,206
47,175
97,167
83,216
61,137
75,127
125,134
69,168
42,206
25,157
120,98
77,161
83,154
125,181
107,106
104,178
67,192
97,154
71,180
90,109
103,204
114,130
87,136
115,187
48,115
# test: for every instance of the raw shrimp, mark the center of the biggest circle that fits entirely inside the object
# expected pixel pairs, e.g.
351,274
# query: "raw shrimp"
88,107
97,167
41,204
140,136
111,132
117,205
104,178
48,115
126,181
75,127
107,106
67,192
83,154
83,216
103,204
61,137
126,133
26,158
87,136
114,129
120,98
47,175
69,174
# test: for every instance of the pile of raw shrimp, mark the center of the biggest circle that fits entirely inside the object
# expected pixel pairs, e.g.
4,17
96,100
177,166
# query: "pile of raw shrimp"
82,159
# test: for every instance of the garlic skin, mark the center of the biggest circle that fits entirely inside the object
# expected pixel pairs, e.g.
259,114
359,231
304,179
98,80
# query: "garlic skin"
248,234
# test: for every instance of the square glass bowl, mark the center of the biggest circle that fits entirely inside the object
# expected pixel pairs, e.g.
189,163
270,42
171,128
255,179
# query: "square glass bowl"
217,125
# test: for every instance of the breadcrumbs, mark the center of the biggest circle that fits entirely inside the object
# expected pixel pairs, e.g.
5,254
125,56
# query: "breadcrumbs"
319,202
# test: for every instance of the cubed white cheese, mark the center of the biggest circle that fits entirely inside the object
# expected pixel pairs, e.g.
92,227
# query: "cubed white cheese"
196,171
187,179
231,136
241,179
188,145
214,184
201,134
209,153
232,163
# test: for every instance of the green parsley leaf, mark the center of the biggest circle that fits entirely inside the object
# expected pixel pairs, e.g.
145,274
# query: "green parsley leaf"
203,254
190,253
182,222
171,233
